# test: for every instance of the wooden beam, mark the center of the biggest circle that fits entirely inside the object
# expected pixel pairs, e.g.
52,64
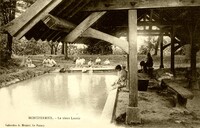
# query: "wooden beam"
152,32
19,26
153,23
91,19
92,33
66,26
193,60
100,5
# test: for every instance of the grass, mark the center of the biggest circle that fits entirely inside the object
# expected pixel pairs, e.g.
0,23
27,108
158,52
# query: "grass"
12,69
13,65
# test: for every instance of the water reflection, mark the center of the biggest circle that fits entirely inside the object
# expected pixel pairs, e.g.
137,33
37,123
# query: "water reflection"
76,93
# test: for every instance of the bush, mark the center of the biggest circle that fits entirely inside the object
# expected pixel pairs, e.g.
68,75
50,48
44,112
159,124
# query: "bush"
31,47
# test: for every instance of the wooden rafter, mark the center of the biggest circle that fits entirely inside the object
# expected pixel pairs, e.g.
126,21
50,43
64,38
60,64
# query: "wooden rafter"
73,7
56,23
65,4
19,26
83,4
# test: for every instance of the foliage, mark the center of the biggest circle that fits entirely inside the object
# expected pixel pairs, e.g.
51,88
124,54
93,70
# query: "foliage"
74,49
117,51
100,47
7,9
3,49
31,47
148,46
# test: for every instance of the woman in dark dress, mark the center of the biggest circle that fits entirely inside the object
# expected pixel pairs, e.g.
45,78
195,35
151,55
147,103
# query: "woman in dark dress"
148,64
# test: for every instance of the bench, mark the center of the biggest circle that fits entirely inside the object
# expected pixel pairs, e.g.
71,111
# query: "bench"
181,92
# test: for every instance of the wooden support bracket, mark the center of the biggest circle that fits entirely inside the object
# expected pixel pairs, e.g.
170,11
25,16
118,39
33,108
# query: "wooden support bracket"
91,19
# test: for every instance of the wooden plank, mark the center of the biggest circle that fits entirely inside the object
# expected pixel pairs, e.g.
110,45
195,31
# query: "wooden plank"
109,107
155,23
133,70
153,32
179,89
19,26
91,19
99,5
123,44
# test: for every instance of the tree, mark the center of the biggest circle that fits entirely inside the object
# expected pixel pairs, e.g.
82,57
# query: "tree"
8,9
29,47
8,13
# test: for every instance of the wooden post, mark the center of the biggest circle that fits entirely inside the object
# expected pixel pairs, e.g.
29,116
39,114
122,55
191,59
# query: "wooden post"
172,50
193,81
132,112
161,50
133,102
66,50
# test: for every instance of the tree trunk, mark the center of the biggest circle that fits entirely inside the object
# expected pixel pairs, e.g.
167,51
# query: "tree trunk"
56,49
66,51
51,49
9,47
63,48
156,46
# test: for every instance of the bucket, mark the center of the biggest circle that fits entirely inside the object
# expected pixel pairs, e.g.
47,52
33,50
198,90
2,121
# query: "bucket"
143,85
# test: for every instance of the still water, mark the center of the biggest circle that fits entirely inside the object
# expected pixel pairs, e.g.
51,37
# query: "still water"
54,99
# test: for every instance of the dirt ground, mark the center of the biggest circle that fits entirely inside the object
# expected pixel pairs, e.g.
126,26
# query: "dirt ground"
158,110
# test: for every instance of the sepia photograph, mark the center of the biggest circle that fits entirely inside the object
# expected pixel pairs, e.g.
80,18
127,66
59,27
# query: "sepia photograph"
99,63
